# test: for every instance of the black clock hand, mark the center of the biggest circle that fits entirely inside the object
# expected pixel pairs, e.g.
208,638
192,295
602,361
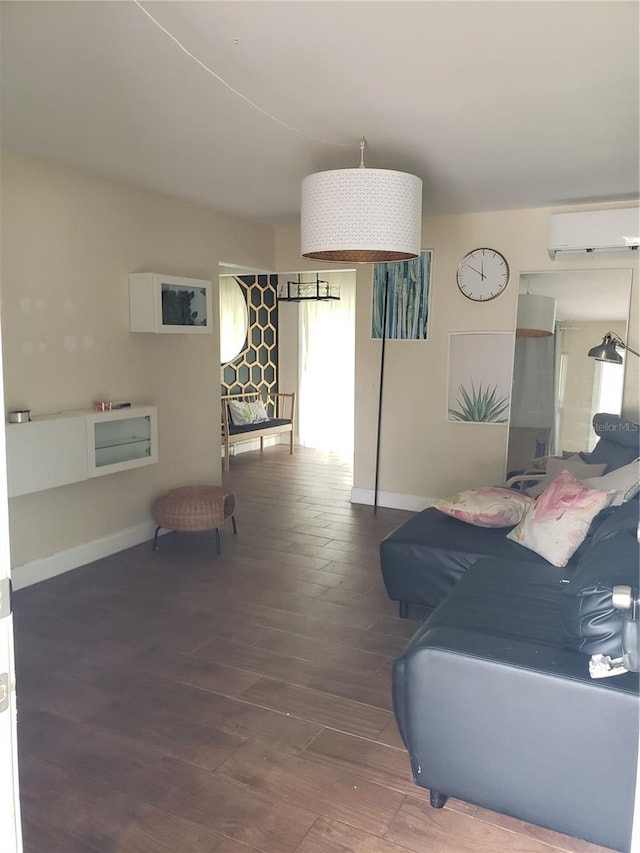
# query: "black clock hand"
482,267
482,275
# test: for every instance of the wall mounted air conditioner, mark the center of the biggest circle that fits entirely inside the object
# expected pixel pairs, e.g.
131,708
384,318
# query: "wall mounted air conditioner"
594,231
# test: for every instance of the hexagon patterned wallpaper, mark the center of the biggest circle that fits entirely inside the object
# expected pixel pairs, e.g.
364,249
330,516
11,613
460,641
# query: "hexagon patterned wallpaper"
256,367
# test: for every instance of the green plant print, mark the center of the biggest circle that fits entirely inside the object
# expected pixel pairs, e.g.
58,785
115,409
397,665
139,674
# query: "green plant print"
480,406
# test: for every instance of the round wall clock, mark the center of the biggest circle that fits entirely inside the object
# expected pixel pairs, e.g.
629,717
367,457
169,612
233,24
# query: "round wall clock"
483,274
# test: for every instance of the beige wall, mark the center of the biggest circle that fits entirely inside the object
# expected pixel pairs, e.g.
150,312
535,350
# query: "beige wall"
69,243
422,455
288,352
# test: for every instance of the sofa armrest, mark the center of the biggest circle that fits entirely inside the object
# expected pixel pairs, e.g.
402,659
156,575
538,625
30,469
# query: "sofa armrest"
520,728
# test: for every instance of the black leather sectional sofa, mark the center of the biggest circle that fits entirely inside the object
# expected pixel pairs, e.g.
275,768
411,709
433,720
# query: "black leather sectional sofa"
493,695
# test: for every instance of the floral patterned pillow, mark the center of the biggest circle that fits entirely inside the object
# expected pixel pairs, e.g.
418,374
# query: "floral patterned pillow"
557,523
490,506
243,412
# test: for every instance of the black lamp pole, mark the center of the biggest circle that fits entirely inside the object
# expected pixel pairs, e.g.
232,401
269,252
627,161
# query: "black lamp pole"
384,341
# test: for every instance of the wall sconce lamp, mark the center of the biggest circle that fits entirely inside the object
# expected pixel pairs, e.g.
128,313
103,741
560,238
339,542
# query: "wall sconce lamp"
608,349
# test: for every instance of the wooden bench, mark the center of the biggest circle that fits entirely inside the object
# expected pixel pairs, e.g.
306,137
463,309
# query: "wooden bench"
281,410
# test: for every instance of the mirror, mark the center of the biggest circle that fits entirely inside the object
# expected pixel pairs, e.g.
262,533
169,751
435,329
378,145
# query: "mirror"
234,319
557,388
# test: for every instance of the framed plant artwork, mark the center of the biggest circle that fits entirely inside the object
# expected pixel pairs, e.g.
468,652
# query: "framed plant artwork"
479,380
409,288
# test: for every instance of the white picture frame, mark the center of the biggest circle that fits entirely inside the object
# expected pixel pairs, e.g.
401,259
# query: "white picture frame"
479,377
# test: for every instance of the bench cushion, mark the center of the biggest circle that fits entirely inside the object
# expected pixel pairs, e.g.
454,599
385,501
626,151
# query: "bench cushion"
266,425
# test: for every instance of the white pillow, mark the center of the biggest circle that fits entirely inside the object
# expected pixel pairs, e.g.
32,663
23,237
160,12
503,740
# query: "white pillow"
243,412
625,481
258,411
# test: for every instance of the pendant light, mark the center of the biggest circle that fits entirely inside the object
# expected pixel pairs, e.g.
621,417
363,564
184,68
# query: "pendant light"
361,215
536,316
304,291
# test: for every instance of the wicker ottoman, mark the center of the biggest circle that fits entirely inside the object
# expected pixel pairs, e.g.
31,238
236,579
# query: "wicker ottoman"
192,508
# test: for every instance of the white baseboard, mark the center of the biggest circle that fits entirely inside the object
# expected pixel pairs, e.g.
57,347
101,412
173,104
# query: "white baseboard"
254,444
57,564
414,503
44,568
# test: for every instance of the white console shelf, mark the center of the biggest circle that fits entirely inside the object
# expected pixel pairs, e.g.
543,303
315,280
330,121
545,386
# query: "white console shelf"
55,450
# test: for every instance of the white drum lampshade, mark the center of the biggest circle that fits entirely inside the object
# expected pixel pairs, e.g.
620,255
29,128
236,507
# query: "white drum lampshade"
361,215
536,316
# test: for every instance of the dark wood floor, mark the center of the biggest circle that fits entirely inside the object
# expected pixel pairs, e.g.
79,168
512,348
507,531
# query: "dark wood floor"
187,702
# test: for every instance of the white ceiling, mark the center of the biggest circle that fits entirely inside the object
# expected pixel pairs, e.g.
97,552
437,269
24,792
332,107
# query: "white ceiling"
496,105
583,295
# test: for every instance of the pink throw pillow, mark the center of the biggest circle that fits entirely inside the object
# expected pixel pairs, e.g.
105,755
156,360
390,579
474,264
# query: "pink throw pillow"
489,506
557,523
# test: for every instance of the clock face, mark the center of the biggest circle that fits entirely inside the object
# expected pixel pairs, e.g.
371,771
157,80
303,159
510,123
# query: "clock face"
483,274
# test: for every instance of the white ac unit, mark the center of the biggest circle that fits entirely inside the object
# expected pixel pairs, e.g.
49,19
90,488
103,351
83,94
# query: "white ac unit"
594,231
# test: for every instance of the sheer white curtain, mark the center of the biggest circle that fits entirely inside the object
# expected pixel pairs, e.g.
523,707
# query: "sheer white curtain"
608,389
327,369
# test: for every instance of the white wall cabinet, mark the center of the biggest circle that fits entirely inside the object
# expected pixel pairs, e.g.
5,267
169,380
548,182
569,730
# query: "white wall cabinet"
121,439
169,304
68,447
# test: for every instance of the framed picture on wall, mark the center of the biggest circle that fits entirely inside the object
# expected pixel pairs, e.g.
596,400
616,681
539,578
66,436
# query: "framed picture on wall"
408,294
479,377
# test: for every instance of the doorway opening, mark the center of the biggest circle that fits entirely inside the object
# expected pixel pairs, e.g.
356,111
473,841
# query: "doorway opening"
325,364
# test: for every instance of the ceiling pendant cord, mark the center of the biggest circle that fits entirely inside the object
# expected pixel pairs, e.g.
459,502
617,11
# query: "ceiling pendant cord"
235,91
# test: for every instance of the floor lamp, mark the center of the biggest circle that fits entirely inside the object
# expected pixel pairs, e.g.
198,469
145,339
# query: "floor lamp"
362,216
382,352
607,351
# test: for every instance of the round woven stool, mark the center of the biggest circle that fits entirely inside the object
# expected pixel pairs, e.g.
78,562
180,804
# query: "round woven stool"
192,508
